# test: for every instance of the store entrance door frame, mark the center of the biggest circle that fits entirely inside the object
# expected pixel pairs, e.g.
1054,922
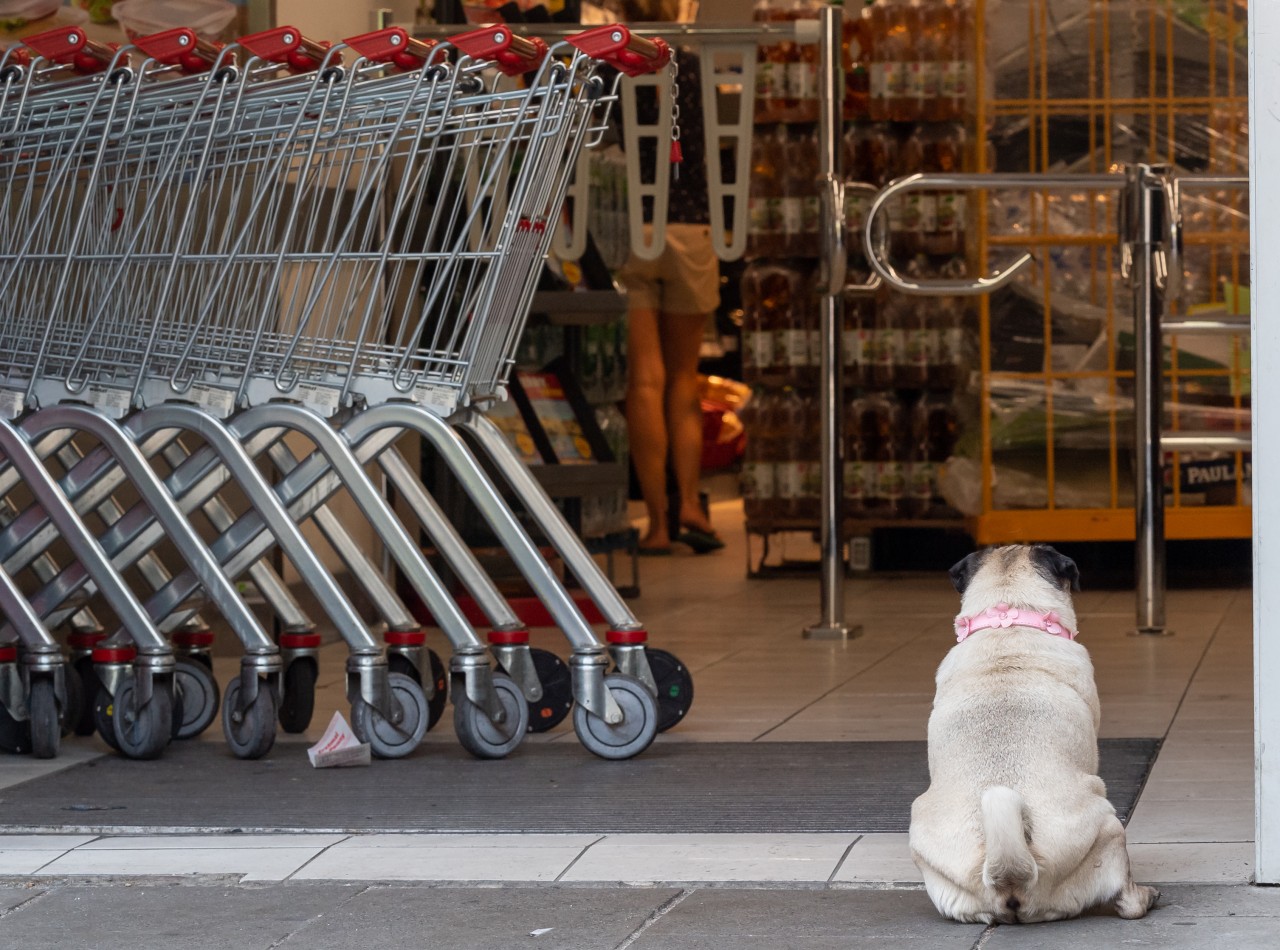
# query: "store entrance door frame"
1264,223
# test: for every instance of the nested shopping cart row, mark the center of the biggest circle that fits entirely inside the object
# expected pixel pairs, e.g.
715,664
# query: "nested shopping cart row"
206,250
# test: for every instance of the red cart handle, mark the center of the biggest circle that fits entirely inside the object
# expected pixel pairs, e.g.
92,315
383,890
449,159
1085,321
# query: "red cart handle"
69,46
514,55
286,45
180,47
614,44
393,45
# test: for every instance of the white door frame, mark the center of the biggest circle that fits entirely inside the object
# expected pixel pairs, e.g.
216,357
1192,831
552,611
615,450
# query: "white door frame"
1264,227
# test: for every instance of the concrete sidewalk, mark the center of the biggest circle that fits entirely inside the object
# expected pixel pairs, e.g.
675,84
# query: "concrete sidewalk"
158,914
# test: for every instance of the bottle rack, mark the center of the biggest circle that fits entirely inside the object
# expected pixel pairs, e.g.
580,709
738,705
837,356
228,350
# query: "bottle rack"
902,357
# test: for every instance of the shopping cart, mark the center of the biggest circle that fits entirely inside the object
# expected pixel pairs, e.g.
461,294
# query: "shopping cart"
183,156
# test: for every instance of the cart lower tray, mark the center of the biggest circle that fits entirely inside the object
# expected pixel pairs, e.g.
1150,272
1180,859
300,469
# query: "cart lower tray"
859,787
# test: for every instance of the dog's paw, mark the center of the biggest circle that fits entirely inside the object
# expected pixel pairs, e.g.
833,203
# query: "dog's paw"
1135,900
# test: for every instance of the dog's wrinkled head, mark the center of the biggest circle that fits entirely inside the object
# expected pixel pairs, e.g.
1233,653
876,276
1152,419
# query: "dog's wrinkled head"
1029,575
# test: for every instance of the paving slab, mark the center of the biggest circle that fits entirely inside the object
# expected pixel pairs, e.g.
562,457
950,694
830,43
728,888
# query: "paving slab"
12,897
162,916
805,920
509,918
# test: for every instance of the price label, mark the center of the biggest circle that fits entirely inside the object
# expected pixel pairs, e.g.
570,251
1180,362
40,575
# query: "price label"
113,402
11,403
441,400
218,401
323,399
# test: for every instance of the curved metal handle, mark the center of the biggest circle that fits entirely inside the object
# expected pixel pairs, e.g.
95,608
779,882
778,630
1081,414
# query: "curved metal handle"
614,44
874,236
393,45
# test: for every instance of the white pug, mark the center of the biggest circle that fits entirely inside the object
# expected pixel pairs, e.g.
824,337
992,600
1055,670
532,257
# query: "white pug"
1015,826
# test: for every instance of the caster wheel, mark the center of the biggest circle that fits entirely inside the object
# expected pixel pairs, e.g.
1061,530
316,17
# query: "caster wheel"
204,659
480,735
557,691
82,679
103,712
46,724
298,699
15,736
74,708
675,687
196,696
631,736
436,704
393,740
250,730
142,732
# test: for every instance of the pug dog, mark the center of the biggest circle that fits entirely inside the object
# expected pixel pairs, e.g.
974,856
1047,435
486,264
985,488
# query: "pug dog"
1015,826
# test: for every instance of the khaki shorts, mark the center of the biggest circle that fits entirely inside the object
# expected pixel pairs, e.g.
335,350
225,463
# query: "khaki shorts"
683,279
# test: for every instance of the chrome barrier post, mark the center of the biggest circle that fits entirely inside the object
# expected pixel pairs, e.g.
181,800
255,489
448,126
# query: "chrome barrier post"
831,625
1144,186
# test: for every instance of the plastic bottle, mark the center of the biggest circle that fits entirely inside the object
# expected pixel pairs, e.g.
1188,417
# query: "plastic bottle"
757,479
789,470
859,50
856,333
757,333
800,202
943,150
856,469
791,340
884,79
947,329
764,201
934,428
953,38
918,208
809,503
802,85
909,106
878,421
766,55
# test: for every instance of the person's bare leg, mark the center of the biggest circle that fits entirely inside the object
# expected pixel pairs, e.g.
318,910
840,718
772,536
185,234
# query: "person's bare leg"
646,425
681,335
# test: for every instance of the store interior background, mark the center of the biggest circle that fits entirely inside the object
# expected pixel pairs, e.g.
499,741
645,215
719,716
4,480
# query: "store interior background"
758,679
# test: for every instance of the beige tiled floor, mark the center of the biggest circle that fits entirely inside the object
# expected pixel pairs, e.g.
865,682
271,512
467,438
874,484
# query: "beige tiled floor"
757,679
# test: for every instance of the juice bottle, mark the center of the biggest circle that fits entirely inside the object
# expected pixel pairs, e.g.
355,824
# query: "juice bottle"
947,332
910,104
859,51
764,199
882,65
789,468
757,335
933,428
791,340
801,207
943,149
878,420
785,55
803,68
918,208
859,308
757,479
955,37
810,458
766,55
856,469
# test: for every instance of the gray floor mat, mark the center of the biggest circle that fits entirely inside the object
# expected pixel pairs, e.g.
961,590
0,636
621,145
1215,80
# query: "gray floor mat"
859,787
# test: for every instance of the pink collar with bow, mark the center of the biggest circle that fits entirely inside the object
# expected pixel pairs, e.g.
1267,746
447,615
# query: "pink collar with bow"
1002,615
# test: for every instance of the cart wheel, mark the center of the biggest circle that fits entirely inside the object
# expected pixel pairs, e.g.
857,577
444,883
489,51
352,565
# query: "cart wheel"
103,713
557,691
396,663
71,712
480,735
82,679
675,687
631,736
196,696
142,732
46,726
298,699
15,736
393,740
250,730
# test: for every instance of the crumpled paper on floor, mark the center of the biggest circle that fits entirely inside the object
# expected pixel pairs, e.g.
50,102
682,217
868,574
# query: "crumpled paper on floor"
339,747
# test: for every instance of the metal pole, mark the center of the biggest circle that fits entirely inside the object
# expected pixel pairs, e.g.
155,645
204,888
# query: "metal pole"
831,626
1145,187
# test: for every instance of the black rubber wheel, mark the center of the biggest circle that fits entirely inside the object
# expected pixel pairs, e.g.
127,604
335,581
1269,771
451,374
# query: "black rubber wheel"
251,731
196,697
631,736
82,678
103,712
393,740
439,700
675,687
557,691
15,735
73,708
46,724
298,695
484,738
142,732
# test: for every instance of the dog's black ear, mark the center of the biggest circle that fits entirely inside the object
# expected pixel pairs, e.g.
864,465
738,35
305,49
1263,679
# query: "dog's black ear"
1056,567
964,570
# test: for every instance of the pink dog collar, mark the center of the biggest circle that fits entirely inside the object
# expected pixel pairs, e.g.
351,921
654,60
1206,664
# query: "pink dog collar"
1002,615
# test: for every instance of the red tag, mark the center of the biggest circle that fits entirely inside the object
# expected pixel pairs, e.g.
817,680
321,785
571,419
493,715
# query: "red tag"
677,156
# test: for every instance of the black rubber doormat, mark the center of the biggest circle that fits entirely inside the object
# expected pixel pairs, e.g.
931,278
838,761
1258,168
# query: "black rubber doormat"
859,787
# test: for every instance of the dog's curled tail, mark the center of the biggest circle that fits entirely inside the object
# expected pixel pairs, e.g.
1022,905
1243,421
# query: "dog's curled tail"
1009,866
